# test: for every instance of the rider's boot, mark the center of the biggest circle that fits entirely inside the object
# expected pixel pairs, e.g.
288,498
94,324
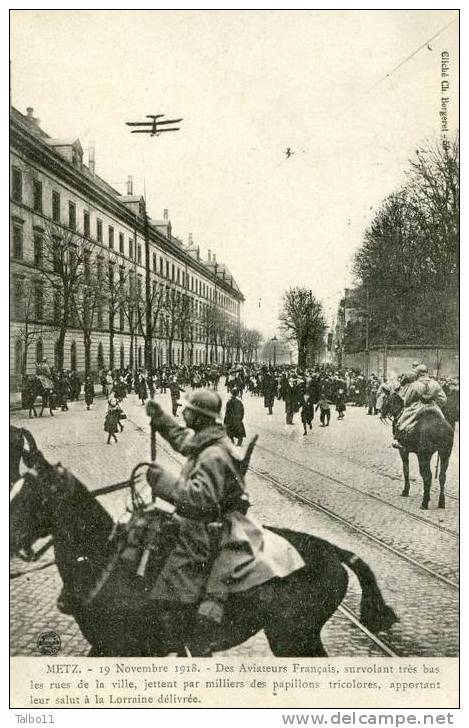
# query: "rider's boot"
206,631
400,441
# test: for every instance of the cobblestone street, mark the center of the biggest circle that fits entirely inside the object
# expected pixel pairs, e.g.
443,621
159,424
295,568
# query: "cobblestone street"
348,470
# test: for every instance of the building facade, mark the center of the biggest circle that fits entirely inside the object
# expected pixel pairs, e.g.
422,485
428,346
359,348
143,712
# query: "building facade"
55,196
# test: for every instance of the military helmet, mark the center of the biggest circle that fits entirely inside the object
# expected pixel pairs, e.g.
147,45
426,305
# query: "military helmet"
206,402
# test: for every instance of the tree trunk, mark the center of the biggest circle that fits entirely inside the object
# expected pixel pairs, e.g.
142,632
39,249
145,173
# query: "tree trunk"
60,347
87,345
111,344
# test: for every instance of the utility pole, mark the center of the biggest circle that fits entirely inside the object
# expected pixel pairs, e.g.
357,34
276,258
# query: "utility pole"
148,315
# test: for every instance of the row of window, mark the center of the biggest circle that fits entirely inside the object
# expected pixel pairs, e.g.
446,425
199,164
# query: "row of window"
196,357
166,269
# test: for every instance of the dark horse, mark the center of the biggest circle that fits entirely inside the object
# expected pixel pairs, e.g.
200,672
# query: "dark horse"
432,433
34,388
110,603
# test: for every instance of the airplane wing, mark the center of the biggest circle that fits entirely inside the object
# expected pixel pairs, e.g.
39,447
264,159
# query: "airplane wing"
168,121
160,131
154,116
139,123
141,131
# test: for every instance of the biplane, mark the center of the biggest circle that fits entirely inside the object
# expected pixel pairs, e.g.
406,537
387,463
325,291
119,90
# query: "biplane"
154,126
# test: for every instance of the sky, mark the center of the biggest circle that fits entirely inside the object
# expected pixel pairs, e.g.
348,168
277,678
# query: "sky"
248,84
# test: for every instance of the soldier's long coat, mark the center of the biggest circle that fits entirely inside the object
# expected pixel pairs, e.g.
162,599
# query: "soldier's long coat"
207,491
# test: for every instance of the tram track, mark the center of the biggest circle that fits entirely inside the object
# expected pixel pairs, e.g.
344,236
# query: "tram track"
359,463
373,496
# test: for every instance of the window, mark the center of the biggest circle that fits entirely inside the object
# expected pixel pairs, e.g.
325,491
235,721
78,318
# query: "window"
39,351
139,286
87,267
17,297
56,254
38,301
111,236
172,271
17,241
72,216
121,242
161,267
121,319
131,249
100,356
73,355
139,254
55,207
100,269
16,184
167,269
122,357
37,195
99,231
178,276
86,224
154,262
38,250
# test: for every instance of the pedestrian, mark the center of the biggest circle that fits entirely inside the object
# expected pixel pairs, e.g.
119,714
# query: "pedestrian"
175,390
307,411
142,389
340,403
111,420
234,415
324,407
89,391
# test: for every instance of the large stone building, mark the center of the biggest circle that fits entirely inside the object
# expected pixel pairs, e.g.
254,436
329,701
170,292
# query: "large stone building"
54,193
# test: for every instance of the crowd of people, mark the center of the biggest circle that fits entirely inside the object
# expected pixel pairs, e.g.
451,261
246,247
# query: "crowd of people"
317,389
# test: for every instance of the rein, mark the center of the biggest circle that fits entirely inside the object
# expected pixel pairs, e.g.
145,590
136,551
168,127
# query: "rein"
100,491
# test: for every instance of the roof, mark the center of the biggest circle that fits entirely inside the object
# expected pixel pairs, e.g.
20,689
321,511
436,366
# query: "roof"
193,251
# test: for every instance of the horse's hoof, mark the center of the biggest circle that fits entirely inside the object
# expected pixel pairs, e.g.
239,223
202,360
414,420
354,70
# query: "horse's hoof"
404,494
424,507
441,504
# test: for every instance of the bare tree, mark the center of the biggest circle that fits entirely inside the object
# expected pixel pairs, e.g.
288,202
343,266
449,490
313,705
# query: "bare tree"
86,302
64,254
31,308
302,320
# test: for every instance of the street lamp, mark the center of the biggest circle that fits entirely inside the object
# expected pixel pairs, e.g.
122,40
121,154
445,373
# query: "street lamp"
274,341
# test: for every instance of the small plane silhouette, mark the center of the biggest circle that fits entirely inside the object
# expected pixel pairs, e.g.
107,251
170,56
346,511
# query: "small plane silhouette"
288,153
153,127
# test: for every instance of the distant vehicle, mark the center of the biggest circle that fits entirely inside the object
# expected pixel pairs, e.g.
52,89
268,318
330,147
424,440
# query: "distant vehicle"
288,153
154,125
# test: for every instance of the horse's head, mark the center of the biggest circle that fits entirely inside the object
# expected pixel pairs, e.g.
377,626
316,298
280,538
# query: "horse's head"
392,405
30,510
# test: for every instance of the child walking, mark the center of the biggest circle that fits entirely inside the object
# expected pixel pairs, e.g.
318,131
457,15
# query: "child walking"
324,407
111,420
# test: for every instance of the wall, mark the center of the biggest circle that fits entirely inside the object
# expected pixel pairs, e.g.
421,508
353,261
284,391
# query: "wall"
441,361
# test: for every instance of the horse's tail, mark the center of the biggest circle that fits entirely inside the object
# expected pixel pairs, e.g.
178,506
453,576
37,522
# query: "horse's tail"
375,614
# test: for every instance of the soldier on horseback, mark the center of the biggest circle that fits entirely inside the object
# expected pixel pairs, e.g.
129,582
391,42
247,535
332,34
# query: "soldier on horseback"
220,549
424,393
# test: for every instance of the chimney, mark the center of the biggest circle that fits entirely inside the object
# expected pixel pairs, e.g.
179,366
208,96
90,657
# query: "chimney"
214,258
130,185
209,256
198,252
165,216
190,239
30,117
91,158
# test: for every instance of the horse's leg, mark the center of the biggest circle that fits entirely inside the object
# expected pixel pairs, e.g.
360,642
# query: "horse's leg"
299,609
444,460
405,468
426,473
